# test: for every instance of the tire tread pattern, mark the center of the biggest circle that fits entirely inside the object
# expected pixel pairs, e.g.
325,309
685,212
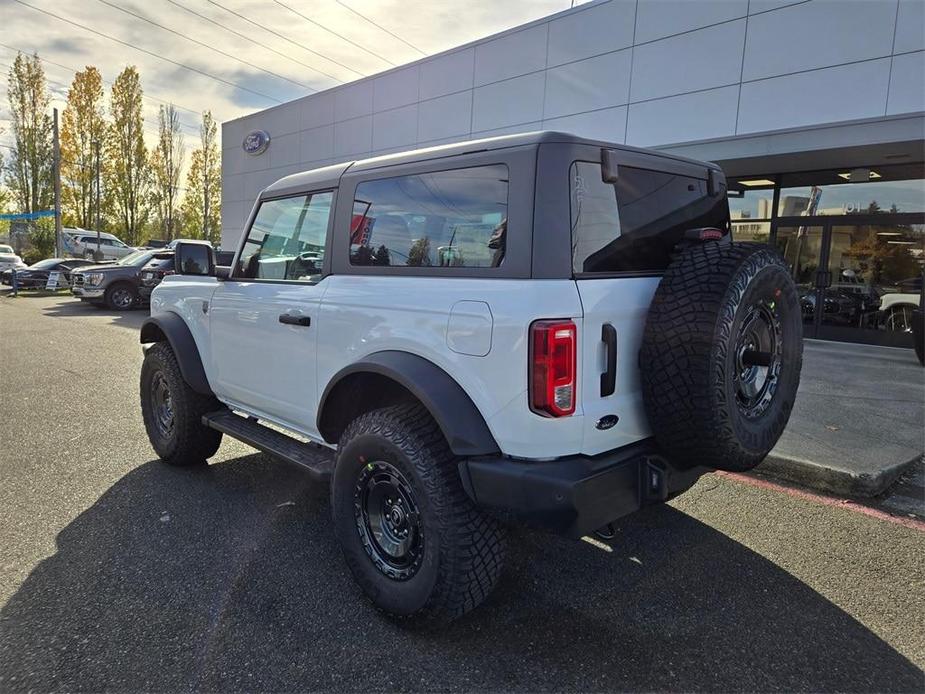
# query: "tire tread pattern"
472,544
193,442
684,354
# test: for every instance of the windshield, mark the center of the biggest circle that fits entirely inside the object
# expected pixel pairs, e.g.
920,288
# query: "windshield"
136,258
6,249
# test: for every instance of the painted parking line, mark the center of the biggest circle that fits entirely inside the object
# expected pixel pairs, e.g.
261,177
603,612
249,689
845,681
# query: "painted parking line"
847,504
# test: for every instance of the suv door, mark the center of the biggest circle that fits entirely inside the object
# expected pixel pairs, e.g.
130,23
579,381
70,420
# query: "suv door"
264,318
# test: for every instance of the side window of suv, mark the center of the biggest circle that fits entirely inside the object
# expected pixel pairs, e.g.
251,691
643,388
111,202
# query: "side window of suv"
455,218
286,240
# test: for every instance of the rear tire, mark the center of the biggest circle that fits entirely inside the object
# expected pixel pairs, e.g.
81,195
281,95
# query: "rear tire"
413,540
172,411
718,312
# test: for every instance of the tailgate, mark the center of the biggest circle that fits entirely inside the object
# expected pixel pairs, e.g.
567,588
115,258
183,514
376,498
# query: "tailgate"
621,304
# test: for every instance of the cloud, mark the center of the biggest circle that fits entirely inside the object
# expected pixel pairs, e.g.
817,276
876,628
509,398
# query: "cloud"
254,77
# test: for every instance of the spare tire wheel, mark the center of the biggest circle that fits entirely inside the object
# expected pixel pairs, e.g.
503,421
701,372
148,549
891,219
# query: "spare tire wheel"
721,355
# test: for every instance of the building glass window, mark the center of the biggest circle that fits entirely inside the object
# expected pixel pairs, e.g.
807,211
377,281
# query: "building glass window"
455,218
874,190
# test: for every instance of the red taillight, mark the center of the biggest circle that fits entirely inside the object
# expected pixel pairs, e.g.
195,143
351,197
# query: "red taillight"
553,388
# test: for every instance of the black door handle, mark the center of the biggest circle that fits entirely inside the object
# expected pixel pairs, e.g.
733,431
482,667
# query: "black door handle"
290,319
609,377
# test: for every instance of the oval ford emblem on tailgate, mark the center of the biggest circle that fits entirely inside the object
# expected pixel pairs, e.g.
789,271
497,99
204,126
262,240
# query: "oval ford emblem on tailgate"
256,142
608,421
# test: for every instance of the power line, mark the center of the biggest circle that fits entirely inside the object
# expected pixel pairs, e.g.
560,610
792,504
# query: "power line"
70,68
376,24
332,32
205,45
255,41
147,52
284,38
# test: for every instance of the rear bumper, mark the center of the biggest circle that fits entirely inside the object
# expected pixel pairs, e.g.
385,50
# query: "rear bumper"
576,495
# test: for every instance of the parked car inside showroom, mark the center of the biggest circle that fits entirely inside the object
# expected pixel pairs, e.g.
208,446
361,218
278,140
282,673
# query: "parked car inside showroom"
113,285
9,259
35,276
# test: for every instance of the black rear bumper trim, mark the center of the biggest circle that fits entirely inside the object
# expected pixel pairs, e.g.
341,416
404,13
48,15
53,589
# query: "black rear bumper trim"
576,495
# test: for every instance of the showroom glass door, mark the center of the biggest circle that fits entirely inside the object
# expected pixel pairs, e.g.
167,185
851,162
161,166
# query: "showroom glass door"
875,279
858,281
803,247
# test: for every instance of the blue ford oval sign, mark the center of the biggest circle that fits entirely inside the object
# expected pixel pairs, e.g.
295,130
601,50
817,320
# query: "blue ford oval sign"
256,142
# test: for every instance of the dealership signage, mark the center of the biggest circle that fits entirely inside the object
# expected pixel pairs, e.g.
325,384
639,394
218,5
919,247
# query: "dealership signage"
256,142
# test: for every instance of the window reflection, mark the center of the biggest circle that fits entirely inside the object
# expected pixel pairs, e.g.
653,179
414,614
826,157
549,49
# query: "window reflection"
454,218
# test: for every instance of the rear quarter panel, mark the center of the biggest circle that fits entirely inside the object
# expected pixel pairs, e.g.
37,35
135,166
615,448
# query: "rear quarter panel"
365,314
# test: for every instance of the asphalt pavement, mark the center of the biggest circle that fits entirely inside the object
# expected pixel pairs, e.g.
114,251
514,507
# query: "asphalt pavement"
119,573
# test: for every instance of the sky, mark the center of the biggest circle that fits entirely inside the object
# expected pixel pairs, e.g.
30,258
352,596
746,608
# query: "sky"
205,53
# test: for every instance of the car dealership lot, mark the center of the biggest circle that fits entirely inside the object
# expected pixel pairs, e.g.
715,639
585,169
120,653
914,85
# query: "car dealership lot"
120,573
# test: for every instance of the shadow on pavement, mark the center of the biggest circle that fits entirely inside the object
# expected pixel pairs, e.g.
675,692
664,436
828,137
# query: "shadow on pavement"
228,578
125,319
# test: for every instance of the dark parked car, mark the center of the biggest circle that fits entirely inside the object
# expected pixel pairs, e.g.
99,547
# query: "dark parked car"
36,275
156,270
114,285
161,265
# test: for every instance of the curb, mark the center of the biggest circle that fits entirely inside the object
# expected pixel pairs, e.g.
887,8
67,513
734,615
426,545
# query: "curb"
831,479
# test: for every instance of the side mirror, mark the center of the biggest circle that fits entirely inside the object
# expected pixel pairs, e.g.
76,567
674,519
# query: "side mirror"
194,258
609,169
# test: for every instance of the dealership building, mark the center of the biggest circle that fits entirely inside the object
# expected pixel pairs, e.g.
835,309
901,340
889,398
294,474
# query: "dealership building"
815,110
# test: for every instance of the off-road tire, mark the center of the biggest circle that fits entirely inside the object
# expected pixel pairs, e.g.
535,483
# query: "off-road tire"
689,354
190,443
112,295
463,548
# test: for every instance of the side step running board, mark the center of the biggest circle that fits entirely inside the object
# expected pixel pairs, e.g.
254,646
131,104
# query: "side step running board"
318,460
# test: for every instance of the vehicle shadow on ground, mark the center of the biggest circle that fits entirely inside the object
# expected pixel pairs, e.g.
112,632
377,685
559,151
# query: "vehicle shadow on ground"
227,578
132,318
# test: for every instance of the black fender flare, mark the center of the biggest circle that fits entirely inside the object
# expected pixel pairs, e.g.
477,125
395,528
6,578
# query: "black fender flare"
171,327
451,407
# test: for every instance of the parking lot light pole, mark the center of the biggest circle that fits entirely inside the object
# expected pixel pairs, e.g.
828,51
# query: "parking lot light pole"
96,147
59,251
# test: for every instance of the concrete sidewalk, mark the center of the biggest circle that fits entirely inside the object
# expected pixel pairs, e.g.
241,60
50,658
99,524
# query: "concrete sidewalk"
859,419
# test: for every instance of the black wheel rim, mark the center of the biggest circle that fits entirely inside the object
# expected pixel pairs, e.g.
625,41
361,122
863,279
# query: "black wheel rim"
758,358
388,520
122,298
162,405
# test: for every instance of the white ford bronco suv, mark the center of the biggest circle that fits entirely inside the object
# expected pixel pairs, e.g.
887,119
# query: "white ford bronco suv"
536,328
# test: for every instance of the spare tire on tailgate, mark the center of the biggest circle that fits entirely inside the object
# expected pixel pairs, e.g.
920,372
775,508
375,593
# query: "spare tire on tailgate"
721,355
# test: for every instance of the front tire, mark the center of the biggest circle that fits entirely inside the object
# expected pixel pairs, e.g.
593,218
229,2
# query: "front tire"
121,297
172,411
413,540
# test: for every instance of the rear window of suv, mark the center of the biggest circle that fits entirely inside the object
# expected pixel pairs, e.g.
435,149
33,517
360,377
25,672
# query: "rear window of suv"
455,218
633,225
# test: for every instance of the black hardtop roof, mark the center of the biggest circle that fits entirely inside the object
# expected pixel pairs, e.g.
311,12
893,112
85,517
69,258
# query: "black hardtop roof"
330,175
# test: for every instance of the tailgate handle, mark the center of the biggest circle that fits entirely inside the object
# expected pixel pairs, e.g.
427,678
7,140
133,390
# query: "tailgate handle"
609,377
291,319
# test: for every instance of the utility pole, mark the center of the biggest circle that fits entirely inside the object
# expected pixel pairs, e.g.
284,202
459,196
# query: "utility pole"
96,147
57,173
